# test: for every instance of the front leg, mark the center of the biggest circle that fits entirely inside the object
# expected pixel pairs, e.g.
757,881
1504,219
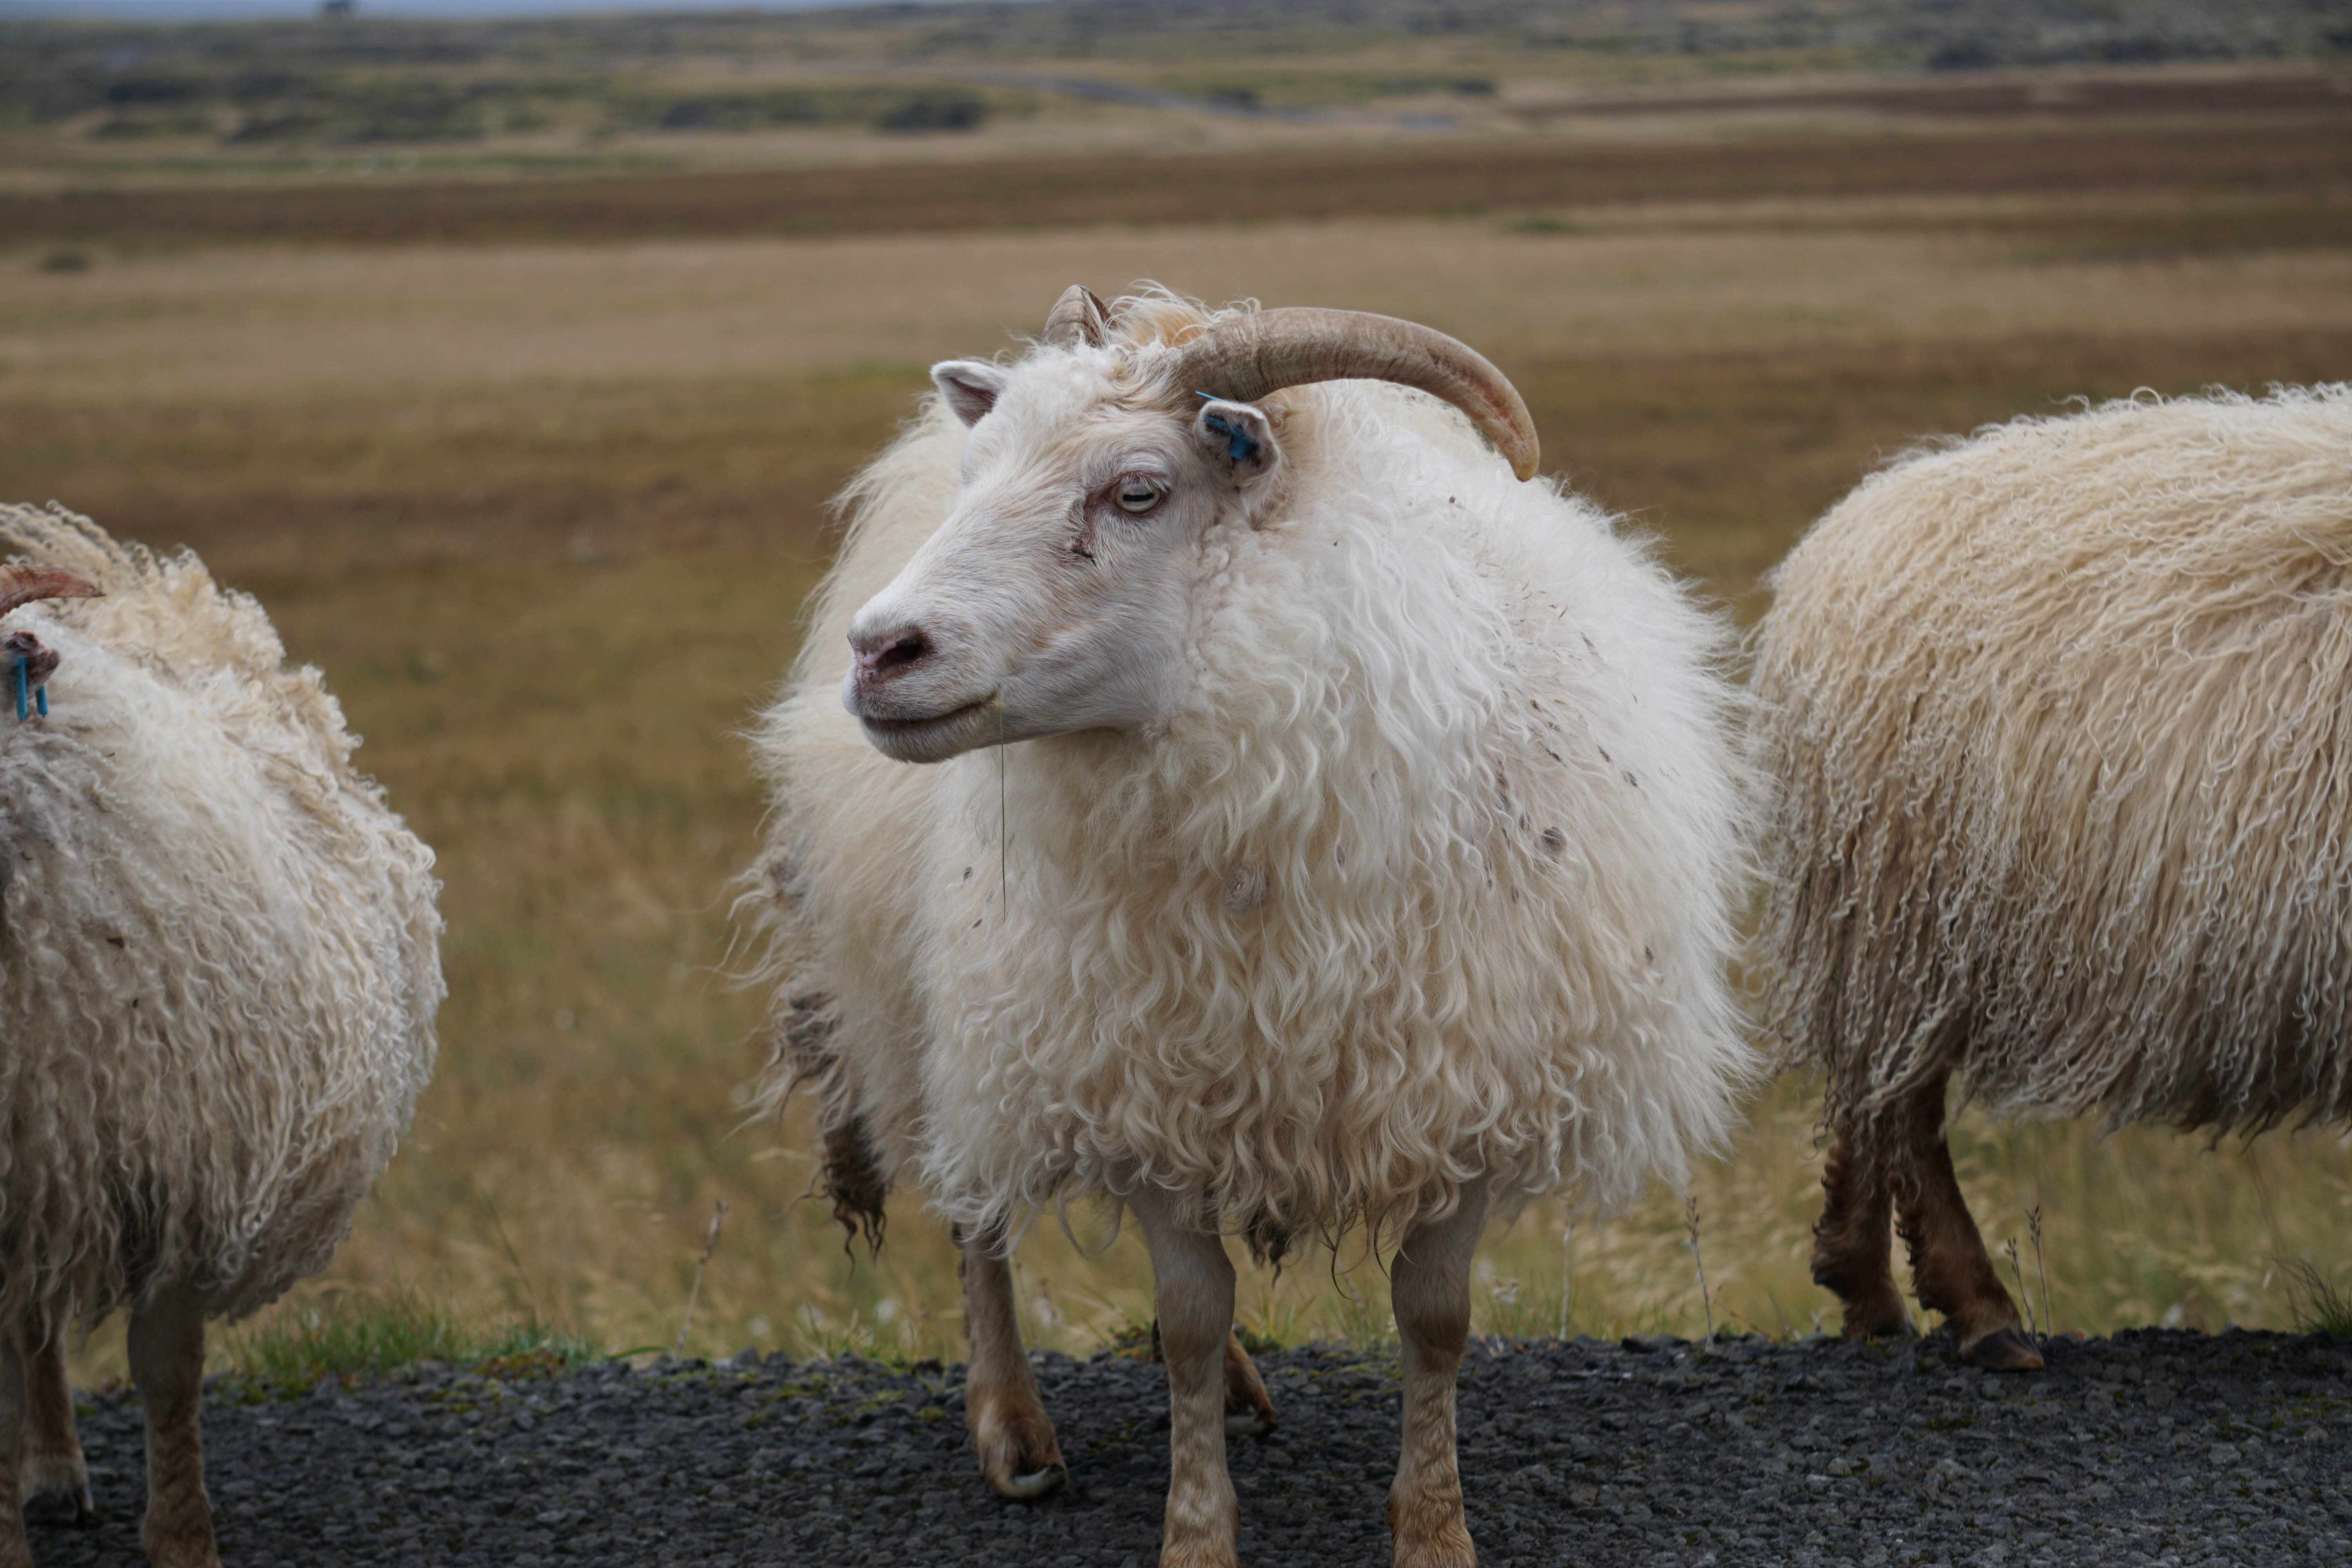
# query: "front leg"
51,1476
1001,1406
1430,1287
167,1364
1193,1283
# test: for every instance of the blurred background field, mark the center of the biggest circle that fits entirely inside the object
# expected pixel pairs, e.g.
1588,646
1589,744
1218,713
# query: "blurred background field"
511,365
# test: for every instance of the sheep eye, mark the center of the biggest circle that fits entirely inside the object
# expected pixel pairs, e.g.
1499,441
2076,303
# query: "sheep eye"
1136,496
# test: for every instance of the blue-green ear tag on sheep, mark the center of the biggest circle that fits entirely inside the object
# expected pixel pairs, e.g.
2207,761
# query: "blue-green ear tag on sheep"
24,678
1242,446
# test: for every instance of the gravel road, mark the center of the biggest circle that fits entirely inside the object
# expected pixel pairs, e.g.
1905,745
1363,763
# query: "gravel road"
2151,1447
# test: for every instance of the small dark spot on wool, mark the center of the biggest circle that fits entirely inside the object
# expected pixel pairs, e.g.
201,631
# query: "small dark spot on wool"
1633,781
967,873
1647,956
975,925
115,941
1244,891
1603,750
1554,840
1552,754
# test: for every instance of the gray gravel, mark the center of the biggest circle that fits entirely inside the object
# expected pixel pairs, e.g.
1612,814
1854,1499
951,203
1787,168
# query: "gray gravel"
2151,1448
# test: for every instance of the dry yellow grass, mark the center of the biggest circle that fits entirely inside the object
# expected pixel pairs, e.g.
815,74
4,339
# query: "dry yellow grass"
545,516
408,335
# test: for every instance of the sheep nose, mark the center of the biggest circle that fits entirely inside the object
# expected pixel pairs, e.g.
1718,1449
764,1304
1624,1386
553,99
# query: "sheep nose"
885,654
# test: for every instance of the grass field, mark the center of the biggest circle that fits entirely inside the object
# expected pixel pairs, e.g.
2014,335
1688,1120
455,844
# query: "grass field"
536,467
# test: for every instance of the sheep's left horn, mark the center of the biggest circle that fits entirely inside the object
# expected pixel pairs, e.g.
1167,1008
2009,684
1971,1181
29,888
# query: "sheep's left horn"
1249,356
23,585
1079,320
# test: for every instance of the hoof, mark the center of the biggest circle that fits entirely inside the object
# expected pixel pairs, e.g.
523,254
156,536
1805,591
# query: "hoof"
1877,1321
1900,1328
1020,1458
2003,1350
1035,1484
1248,1424
68,1506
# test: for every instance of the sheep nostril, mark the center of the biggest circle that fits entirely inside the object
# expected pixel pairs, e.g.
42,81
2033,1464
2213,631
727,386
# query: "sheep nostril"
887,654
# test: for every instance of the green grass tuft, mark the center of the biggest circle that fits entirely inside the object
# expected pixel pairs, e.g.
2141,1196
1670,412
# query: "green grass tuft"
2319,1307
355,1337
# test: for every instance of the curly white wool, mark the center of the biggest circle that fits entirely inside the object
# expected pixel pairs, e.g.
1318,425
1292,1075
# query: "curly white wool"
1430,877
218,949
2059,715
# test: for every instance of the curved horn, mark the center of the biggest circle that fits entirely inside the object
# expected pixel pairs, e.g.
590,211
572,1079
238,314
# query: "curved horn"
1078,319
1247,357
23,585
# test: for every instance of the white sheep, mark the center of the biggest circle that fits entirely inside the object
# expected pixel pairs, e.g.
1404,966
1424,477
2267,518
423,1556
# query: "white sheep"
1327,829
2060,720
218,981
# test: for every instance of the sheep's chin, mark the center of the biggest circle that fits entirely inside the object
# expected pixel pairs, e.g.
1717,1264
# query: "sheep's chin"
934,740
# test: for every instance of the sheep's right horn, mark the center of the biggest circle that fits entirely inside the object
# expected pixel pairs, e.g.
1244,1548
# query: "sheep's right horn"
1079,320
23,585
1246,357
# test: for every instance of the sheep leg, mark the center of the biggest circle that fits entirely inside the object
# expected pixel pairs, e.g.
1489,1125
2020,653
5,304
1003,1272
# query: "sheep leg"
1853,1241
1249,1409
16,1552
1193,1286
1001,1406
1429,1284
167,1364
1950,1271
51,1476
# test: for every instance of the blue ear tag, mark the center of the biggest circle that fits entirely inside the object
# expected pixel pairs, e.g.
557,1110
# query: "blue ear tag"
1242,446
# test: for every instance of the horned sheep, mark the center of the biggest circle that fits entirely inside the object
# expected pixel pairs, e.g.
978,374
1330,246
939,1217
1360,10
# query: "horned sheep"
218,973
1326,826
2060,721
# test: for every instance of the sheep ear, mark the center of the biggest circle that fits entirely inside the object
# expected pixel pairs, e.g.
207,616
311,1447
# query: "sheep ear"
1237,437
972,387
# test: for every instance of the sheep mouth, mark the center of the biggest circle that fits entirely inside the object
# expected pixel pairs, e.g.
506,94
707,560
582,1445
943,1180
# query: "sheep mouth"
915,726
934,737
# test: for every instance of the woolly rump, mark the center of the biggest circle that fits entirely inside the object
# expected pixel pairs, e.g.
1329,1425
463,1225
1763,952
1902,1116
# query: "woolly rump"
218,949
2061,718
1430,878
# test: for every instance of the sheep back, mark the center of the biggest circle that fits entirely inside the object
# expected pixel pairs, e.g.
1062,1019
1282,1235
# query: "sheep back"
2059,716
1429,880
218,965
